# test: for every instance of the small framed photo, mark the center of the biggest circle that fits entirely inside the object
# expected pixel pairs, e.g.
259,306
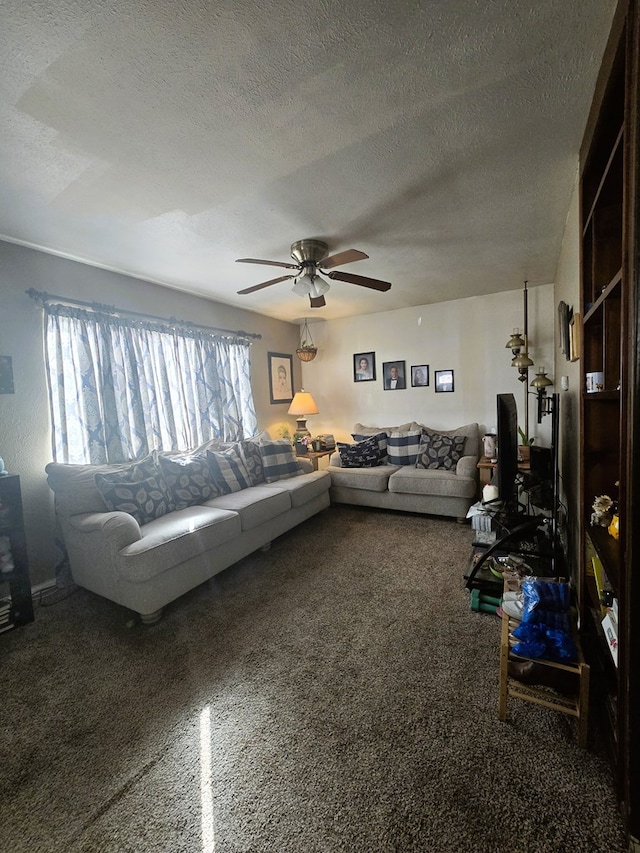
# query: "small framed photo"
419,375
394,375
280,377
364,366
444,381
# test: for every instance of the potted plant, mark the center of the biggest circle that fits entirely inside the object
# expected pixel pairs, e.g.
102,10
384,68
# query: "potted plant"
524,448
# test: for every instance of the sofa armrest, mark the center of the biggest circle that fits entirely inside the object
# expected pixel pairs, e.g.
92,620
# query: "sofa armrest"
119,528
466,466
335,459
305,464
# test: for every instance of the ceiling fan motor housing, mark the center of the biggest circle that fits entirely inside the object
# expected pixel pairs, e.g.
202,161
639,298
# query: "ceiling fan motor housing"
309,252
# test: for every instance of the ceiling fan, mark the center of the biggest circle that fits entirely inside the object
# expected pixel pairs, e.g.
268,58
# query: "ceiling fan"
311,259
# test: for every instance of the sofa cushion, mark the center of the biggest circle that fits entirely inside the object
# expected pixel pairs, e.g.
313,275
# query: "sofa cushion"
144,499
176,538
440,483
361,429
363,454
304,489
470,431
278,460
256,505
440,451
403,447
188,477
370,479
228,471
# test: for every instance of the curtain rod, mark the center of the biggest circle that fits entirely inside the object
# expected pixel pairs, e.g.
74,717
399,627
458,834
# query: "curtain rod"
42,298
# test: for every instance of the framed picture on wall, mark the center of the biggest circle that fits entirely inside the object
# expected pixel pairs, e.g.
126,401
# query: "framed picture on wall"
280,377
364,366
394,375
419,375
444,381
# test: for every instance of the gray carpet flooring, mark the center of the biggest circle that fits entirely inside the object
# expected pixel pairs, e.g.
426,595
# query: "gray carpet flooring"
335,693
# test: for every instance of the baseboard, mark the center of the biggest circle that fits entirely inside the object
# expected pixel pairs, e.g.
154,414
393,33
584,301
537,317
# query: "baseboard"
45,586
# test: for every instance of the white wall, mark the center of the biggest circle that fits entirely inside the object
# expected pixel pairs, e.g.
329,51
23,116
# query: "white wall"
568,290
466,335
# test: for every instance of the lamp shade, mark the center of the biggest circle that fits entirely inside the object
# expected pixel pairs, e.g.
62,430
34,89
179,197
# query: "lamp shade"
310,284
303,404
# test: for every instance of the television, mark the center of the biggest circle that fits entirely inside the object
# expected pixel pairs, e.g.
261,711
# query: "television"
507,445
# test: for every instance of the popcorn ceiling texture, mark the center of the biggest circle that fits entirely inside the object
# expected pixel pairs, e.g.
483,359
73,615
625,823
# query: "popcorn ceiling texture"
166,139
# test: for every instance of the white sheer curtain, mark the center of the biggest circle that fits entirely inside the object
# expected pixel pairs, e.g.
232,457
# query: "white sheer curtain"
120,388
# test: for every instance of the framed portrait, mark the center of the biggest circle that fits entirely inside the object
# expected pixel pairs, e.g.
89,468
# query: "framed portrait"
364,366
444,381
280,377
419,375
394,375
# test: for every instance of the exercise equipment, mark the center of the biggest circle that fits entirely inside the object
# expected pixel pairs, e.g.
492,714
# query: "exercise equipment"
480,602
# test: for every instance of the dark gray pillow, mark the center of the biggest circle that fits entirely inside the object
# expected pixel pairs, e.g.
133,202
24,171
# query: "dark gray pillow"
440,451
143,499
189,479
381,438
362,454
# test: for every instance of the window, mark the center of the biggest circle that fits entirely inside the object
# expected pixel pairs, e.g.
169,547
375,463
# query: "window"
119,388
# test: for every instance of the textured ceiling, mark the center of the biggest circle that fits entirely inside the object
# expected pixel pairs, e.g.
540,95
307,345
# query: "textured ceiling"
166,138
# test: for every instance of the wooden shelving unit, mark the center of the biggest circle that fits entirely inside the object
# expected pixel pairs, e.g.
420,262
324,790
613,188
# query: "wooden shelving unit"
610,419
16,606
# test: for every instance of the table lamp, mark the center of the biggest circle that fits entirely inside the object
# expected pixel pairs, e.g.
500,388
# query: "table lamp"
302,405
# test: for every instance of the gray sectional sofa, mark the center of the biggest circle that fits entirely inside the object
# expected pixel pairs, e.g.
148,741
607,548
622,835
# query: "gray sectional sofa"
447,491
145,562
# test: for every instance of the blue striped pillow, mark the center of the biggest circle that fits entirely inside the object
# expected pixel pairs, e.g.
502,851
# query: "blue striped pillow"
278,461
228,470
403,447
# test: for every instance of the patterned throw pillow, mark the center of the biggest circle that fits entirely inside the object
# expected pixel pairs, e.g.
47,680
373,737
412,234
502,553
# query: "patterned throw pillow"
381,438
440,451
278,461
403,447
250,450
362,454
143,499
189,479
228,471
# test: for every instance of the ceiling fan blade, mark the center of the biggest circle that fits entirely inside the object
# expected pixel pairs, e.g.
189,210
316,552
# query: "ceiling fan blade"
362,280
317,301
346,257
265,284
268,263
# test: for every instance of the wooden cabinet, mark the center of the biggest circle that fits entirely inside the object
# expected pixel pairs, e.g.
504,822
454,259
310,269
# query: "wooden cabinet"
609,418
16,606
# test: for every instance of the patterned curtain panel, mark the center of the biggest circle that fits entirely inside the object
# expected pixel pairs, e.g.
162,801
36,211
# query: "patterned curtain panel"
120,388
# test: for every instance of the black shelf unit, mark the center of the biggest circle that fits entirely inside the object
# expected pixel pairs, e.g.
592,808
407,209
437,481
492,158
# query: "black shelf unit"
16,604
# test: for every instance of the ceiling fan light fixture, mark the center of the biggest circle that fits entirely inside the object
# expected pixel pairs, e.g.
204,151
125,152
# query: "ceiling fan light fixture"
310,284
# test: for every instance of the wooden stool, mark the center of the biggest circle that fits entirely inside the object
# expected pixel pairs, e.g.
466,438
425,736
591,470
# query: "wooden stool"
576,705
